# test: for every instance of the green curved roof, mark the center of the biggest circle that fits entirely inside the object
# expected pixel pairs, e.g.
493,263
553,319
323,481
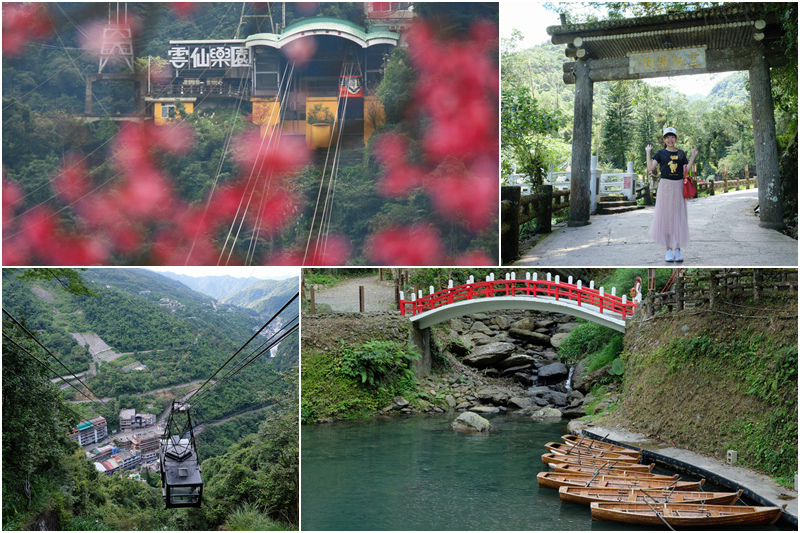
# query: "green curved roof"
324,24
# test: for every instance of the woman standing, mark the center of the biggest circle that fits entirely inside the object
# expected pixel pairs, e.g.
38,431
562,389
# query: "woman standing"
670,226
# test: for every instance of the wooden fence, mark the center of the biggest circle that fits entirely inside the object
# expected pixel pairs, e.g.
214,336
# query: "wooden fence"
708,287
516,210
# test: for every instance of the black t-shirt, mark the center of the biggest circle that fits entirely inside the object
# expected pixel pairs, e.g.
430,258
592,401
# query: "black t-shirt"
671,163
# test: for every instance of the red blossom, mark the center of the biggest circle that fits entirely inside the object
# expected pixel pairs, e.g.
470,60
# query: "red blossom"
409,246
23,23
12,197
183,9
300,51
73,181
332,251
265,158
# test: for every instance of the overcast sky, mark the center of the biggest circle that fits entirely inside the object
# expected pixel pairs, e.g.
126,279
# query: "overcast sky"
257,272
532,20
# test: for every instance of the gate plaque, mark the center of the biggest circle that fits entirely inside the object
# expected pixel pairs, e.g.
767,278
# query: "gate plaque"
662,61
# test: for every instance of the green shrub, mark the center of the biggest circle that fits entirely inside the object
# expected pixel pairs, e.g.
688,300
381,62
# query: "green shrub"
599,344
377,361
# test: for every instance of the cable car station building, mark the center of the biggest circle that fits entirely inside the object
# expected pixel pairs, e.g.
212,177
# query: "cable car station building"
312,79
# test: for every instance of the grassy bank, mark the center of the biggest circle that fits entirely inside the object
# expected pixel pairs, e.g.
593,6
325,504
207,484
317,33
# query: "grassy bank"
718,381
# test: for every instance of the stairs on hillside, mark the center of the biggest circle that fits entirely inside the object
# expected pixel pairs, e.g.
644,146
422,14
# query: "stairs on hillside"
612,204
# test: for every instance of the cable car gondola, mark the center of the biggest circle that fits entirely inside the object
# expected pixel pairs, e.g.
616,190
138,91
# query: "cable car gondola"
181,484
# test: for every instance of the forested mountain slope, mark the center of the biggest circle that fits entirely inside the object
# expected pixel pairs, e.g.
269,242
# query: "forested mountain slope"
215,286
187,338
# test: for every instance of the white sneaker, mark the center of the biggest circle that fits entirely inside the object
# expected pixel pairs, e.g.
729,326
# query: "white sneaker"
678,256
670,258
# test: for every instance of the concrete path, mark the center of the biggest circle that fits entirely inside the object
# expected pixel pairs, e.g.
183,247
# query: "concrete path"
343,297
758,487
723,231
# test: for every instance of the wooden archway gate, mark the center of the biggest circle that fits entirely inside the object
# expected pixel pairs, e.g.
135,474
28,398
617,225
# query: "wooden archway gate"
720,39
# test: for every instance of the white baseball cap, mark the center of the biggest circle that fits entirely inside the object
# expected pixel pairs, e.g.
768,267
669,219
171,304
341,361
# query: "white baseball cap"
670,130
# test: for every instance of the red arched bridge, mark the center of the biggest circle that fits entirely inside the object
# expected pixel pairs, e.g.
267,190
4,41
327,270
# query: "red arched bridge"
529,294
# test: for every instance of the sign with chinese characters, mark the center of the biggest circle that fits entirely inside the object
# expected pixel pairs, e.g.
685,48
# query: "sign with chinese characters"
208,56
666,61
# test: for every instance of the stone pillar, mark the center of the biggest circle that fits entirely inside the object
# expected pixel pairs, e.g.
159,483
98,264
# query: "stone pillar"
421,340
509,234
766,147
580,196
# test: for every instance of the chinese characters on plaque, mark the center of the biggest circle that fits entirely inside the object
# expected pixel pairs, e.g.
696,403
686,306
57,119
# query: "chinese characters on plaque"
209,56
667,60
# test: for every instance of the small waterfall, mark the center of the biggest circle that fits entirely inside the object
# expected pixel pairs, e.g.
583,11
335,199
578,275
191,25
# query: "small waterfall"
569,378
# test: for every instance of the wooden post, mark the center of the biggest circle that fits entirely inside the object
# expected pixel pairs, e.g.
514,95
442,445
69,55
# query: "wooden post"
509,234
712,290
747,177
546,217
769,187
380,274
580,191
361,298
725,178
312,303
758,281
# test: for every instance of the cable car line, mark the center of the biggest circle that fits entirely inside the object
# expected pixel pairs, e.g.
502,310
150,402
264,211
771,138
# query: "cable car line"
50,368
227,376
248,360
248,342
32,336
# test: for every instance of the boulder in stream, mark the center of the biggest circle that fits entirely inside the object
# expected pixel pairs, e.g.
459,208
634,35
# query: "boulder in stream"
469,422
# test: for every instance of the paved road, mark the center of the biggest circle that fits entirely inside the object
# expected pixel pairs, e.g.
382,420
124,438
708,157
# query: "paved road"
343,297
723,232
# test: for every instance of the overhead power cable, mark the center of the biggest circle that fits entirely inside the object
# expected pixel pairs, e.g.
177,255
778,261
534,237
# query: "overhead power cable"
257,333
248,362
32,336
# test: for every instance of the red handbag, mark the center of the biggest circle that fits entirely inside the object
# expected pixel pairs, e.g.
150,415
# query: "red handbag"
689,186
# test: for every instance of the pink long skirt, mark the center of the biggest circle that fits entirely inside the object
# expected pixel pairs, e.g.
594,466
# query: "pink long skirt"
670,226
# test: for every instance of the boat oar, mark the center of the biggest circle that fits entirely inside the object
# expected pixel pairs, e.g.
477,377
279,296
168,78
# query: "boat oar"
590,481
659,514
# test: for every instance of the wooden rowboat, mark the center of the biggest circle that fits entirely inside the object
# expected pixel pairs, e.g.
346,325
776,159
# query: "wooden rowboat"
581,460
587,495
592,444
568,449
555,480
685,514
591,470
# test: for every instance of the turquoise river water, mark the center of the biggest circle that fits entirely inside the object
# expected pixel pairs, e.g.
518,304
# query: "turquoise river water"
415,473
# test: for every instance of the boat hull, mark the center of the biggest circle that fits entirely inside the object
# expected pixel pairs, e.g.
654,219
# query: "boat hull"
685,514
579,451
598,444
557,458
591,470
587,495
555,480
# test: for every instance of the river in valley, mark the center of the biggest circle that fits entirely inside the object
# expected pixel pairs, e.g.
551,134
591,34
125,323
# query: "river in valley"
415,473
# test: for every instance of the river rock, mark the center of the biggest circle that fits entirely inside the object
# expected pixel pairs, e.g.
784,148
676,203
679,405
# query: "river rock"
480,327
526,323
400,402
517,360
531,337
514,369
489,354
469,422
546,412
559,399
554,372
519,402
451,402
567,327
485,409
494,395
558,338
523,378
501,321
457,348
545,323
